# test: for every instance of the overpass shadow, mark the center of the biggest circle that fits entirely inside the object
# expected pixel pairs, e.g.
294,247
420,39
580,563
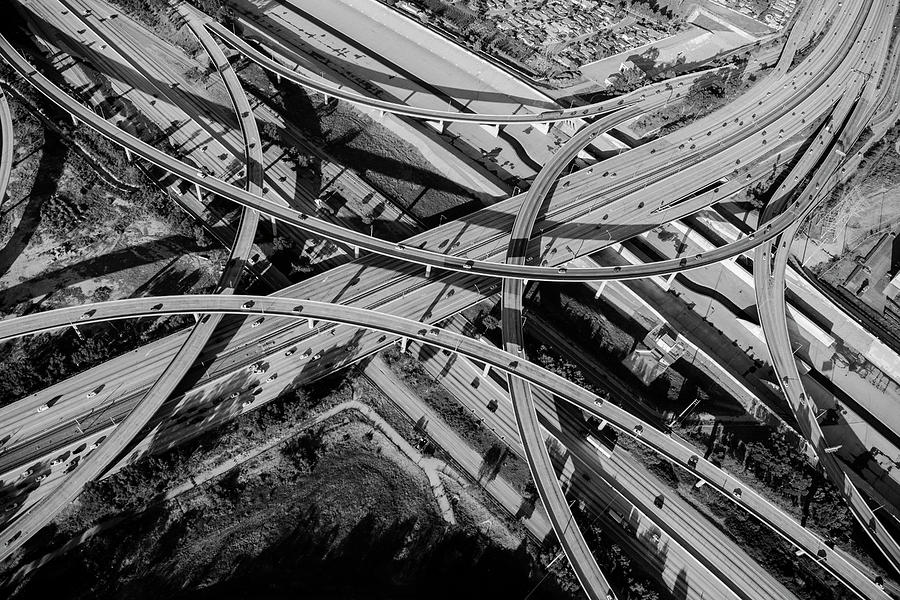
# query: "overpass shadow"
49,170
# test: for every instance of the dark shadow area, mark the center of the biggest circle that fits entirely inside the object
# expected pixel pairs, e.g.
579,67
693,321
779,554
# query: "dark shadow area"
118,260
45,185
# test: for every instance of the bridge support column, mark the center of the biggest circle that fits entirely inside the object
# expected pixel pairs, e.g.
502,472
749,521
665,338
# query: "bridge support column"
355,251
404,344
600,289
74,121
278,78
494,130
274,226
486,371
199,193
196,317
427,270
669,281
77,332
312,323
543,127
128,154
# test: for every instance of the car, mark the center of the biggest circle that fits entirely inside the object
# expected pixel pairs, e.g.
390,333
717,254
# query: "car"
290,352
234,395
57,461
272,377
247,403
88,314
469,264
42,408
157,306
257,322
317,356
40,478
401,247
562,270
91,393
247,304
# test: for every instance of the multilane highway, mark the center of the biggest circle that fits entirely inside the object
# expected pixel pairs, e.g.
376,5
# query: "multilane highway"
583,547
419,255
427,258
513,339
245,305
96,462
563,278
770,265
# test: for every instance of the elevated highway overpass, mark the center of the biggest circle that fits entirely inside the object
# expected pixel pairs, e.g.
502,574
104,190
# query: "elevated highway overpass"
475,268
506,362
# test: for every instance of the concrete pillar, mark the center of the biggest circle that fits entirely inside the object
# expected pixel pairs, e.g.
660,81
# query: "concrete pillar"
436,125
669,281
355,251
494,130
199,192
486,371
312,324
543,127
128,154
274,226
404,343
427,270
600,289
74,121
196,317
278,78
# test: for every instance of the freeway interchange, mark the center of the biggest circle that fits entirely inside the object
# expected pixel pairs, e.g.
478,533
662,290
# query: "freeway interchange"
826,97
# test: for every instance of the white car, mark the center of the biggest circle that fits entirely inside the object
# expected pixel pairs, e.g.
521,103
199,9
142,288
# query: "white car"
257,322
91,393
42,408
